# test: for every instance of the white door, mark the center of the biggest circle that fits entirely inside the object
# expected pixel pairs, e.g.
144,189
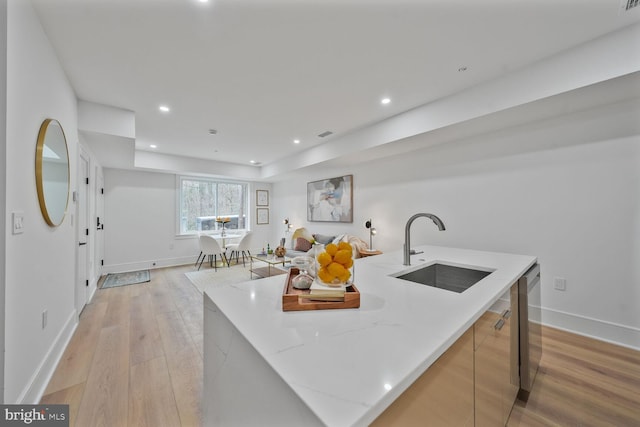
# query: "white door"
99,236
82,232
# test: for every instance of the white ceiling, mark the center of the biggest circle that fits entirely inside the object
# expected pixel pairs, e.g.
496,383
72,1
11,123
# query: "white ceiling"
266,72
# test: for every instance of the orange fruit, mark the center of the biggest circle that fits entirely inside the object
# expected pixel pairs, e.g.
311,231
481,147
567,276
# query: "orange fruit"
343,256
331,249
324,259
324,275
345,245
348,264
345,276
335,269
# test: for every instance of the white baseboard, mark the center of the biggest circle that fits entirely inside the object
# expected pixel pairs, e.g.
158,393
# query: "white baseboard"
32,394
93,288
143,265
614,333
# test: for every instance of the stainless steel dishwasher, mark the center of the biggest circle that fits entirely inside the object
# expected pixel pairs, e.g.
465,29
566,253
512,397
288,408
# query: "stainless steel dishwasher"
530,314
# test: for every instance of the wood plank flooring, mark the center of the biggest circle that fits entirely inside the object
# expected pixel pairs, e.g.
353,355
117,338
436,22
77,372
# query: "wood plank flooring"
136,356
136,360
582,382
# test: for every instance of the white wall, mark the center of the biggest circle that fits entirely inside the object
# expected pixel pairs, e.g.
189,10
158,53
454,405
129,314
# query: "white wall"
3,179
566,190
40,263
140,224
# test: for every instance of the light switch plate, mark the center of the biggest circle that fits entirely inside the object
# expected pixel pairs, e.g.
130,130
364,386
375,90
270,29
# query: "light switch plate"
17,221
560,283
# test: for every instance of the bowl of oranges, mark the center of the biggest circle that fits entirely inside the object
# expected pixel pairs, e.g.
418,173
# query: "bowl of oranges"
334,264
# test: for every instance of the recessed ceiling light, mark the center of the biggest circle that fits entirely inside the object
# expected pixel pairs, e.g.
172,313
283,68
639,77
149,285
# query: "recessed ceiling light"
164,108
253,162
153,146
296,141
203,1
385,101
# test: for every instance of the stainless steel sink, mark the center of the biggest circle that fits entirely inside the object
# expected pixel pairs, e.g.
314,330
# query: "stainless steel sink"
443,276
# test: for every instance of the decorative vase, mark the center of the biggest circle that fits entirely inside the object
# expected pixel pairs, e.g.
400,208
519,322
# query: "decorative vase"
334,265
302,280
316,249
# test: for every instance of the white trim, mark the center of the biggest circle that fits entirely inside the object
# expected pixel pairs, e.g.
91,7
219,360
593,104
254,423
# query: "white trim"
32,393
82,207
614,333
141,265
178,198
93,287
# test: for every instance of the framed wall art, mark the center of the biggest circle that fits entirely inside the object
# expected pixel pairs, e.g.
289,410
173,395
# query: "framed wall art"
262,197
262,216
330,200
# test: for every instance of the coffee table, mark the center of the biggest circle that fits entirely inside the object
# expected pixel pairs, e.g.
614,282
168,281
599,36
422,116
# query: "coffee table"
267,271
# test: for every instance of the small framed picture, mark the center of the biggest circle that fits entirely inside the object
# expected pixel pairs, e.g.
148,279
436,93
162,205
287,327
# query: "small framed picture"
262,198
262,216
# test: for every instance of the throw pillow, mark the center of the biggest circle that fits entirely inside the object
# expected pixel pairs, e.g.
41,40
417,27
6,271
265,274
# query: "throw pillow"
324,239
301,232
302,244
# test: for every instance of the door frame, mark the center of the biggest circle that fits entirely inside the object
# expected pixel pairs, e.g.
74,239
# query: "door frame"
82,230
98,242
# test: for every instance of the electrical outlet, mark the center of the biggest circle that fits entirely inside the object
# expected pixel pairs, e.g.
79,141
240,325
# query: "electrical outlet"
44,319
17,219
560,283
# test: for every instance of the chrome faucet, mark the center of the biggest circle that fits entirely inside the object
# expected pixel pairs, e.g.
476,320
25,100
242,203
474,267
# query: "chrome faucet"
407,233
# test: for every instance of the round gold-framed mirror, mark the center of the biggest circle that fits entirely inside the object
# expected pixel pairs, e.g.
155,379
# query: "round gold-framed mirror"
52,172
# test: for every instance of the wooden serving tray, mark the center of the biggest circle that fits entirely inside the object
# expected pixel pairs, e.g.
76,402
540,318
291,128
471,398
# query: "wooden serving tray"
291,301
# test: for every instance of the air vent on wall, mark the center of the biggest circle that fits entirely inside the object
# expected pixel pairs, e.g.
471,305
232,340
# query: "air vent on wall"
326,133
631,4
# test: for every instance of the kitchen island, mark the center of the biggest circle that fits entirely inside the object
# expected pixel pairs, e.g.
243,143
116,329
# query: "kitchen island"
263,366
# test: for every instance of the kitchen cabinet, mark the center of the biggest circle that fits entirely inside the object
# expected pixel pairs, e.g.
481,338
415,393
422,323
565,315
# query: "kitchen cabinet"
496,361
442,396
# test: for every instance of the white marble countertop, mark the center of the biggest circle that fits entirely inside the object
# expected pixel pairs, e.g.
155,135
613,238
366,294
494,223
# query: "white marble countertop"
349,365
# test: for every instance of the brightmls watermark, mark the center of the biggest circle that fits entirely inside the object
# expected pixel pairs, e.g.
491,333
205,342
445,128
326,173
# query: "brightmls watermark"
34,415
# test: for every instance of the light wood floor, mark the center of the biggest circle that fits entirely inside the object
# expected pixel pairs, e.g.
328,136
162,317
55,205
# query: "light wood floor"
582,382
136,360
136,356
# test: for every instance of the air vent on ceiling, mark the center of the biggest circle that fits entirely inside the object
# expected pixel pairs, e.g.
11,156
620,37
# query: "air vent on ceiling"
631,4
326,133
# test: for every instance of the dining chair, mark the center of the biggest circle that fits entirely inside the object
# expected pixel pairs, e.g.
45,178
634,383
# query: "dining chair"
241,247
210,246
198,260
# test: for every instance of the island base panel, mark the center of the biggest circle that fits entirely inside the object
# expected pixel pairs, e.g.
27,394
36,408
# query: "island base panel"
442,396
240,388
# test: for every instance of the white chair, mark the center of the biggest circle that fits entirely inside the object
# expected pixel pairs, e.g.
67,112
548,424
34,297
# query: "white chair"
241,247
198,260
210,246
